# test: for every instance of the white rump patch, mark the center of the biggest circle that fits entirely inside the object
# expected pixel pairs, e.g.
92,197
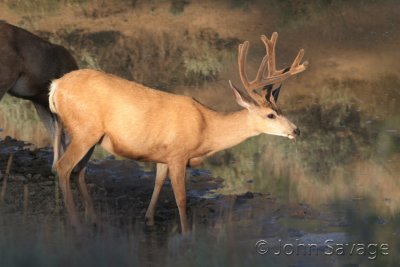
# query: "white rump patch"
53,88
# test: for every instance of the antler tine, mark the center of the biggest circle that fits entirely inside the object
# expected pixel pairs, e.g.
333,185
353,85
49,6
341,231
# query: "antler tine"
261,69
270,51
272,101
296,67
243,48
298,58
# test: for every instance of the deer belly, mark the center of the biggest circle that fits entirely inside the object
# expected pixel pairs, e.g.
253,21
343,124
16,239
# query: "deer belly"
135,152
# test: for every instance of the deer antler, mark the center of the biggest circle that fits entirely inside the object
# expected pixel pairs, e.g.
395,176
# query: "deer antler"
273,76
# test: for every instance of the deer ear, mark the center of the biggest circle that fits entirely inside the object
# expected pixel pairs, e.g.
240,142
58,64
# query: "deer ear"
239,98
272,91
275,93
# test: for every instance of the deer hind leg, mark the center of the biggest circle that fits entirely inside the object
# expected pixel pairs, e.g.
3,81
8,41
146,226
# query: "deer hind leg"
55,130
89,208
177,177
162,171
65,140
60,141
87,199
57,149
72,156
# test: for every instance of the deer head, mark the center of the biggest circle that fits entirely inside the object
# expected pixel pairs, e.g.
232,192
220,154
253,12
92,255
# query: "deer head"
262,107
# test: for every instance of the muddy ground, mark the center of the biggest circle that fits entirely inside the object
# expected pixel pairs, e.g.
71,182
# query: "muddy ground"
121,191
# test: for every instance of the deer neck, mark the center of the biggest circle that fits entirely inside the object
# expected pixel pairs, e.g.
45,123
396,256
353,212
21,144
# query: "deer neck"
230,129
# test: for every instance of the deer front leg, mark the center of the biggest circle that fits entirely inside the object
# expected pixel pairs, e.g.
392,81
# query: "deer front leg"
162,171
177,177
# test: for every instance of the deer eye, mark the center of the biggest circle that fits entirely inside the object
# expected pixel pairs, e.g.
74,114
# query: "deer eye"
271,116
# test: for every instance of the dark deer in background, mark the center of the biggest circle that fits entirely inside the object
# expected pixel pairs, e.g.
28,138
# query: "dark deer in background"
27,66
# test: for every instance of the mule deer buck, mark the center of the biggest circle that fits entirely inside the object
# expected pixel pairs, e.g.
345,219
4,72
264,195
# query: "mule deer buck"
27,66
136,122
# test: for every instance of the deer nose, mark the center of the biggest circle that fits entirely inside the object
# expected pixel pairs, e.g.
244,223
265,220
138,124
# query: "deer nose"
296,131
